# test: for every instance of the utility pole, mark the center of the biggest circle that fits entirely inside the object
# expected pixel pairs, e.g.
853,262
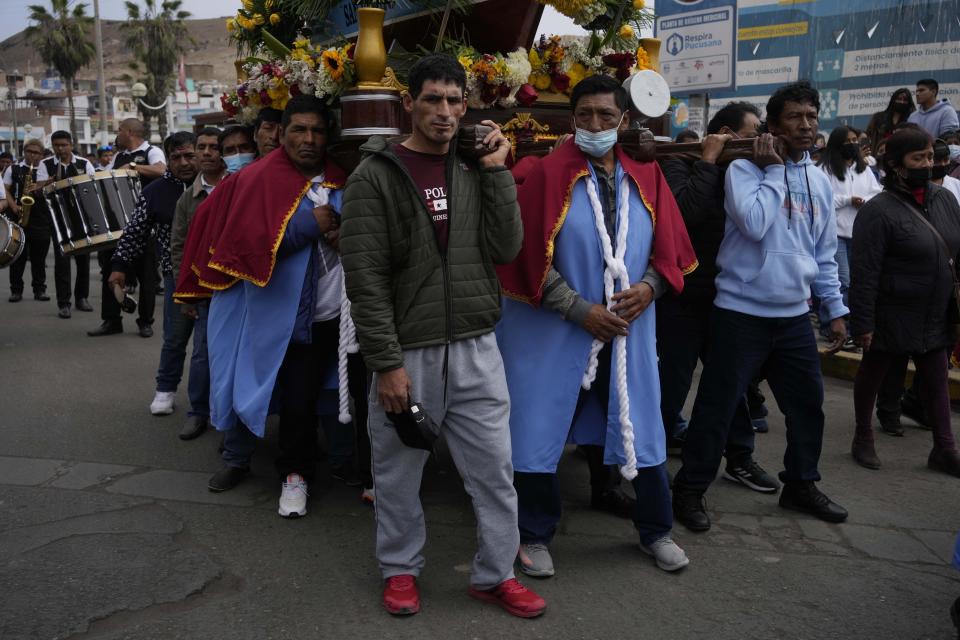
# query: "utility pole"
12,94
98,37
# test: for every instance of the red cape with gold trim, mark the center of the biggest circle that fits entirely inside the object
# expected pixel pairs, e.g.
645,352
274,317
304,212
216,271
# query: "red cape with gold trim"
237,229
544,192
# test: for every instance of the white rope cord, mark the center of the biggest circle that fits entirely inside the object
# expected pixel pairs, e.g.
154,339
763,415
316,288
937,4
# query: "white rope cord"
616,269
348,344
320,196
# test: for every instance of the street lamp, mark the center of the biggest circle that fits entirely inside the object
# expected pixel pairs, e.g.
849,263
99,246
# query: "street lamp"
139,90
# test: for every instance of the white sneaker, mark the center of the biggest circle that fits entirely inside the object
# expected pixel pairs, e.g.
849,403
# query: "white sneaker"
162,404
535,560
668,555
293,497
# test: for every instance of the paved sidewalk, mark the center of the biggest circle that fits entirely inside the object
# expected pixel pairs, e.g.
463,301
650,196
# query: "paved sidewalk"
107,530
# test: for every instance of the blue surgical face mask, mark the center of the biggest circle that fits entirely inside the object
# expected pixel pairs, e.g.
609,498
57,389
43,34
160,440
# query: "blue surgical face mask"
597,144
954,152
238,161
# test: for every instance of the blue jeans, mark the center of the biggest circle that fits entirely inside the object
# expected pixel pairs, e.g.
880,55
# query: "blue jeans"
177,329
238,446
741,347
844,245
683,330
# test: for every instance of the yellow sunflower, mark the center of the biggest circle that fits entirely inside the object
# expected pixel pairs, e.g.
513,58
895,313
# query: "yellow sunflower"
332,61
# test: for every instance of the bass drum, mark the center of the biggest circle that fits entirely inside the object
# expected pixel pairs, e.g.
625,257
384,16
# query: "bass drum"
89,212
12,242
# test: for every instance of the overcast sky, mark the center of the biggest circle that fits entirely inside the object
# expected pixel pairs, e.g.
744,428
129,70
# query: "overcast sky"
13,14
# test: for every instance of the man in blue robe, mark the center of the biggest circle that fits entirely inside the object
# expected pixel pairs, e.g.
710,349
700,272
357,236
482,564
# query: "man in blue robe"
602,239
265,244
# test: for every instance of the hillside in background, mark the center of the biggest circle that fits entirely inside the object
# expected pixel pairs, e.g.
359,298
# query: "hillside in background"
210,45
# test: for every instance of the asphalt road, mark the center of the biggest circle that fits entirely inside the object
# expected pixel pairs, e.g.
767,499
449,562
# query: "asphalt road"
107,530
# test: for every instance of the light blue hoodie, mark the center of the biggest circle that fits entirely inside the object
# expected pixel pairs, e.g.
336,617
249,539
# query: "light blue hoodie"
772,251
938,119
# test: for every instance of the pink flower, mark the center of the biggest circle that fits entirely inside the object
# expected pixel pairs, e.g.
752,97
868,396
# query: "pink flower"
527,95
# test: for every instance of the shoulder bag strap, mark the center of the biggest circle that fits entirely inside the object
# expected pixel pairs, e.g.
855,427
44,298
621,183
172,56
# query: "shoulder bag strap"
943,243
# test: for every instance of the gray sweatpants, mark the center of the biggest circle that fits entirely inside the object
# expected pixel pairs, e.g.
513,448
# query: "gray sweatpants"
472,407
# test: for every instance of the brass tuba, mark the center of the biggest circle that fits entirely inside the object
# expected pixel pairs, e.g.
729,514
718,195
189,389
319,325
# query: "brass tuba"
26,201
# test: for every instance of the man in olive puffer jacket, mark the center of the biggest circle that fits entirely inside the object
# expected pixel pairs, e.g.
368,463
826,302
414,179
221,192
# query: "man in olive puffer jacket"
422,229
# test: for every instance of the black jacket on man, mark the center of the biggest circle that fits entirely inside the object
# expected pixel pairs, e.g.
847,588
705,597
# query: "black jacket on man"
698,190
900,280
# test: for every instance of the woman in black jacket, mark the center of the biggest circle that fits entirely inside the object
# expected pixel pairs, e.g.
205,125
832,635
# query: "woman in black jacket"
902,274
884,122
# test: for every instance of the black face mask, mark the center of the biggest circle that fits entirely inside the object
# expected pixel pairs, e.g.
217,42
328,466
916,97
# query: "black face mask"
902,108
916,178
850,151
939,171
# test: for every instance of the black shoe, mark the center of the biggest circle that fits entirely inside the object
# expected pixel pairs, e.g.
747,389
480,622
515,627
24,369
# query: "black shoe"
910,407
83,304
107,328
41,297
807,498
760,425
945,461
227,478
750,474
145,331
892,427
347,474
690,509
615,502
64,311
15,297
193,427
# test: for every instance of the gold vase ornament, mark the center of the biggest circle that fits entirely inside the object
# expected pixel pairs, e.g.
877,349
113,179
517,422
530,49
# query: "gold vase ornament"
652,47
370,58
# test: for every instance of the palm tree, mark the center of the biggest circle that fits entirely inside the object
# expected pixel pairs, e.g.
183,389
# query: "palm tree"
60,37
156,37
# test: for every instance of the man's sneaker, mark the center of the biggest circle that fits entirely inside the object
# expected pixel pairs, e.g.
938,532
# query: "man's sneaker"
367,496
806,497
668,555
401,596
760,425
512,596
293,497
162,404
535,560
750,474
690,509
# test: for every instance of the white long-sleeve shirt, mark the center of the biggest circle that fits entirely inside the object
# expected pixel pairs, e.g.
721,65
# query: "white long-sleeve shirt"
863,185
952,185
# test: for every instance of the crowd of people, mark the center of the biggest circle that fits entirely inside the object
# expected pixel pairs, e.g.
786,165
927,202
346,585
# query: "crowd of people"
506,306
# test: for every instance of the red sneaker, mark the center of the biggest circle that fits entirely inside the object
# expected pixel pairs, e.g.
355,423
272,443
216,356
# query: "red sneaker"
401,596
514,597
